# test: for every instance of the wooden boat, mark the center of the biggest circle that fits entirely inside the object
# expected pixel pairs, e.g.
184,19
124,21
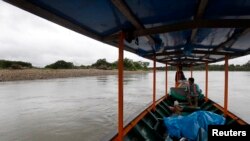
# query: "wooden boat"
149,124
193,32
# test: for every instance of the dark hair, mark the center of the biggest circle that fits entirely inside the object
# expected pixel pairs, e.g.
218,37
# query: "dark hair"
191,79
180,67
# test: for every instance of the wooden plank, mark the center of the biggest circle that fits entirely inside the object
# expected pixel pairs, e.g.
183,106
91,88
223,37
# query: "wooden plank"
232,39
217,23
127,13
124,9
200,11
229,42
194,52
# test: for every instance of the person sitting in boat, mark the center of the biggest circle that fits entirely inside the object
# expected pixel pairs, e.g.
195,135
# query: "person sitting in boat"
179,76
193,91
183,83
176,109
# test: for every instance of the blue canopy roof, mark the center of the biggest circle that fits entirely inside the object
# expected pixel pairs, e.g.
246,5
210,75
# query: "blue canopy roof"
188,32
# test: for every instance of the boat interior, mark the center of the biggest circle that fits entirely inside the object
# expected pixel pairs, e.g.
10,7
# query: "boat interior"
149,124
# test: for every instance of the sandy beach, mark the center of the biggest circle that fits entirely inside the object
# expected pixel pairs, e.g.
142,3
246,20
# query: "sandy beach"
32,74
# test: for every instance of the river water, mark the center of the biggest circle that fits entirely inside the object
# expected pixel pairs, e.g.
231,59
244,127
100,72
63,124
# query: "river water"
85,108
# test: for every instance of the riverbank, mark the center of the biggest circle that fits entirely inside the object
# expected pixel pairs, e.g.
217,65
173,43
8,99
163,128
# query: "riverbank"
32,74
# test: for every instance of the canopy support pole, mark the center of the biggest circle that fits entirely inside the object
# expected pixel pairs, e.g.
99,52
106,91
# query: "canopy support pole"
177,77
120,88
166,80
191,70
206,86
154,82
226,86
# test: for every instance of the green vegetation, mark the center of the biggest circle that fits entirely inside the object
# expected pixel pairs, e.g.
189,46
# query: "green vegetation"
103,64
60,65
131,65
128,65
5,64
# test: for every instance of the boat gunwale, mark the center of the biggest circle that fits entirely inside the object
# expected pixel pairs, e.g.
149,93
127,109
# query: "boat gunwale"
135,118
132,120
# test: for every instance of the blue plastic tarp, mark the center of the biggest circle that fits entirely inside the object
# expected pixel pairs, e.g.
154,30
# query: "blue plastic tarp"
188,126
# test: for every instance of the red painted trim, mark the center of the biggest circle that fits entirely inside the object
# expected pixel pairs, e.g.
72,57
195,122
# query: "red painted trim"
154,83
138,118
176,83
226,87
120,88
166,80
240,121
206,84
191,70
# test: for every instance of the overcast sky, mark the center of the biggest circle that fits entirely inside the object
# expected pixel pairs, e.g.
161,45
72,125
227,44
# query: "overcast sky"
26,37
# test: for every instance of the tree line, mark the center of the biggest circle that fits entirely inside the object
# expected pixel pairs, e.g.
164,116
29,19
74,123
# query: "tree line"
103,64
232,67
5,64
129,64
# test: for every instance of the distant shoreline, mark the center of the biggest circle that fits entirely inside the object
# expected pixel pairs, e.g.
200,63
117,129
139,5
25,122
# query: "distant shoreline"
33,74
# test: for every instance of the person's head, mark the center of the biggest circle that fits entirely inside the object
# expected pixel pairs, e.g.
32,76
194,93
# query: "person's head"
180,67
191,80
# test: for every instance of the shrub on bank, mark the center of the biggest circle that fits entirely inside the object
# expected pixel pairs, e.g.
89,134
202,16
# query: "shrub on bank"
5,64
61,64
102,64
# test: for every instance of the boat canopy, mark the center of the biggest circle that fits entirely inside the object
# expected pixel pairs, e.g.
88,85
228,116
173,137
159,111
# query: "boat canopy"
187,32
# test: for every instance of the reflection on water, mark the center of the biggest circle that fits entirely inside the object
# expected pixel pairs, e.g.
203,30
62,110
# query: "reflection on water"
85,108
102,79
